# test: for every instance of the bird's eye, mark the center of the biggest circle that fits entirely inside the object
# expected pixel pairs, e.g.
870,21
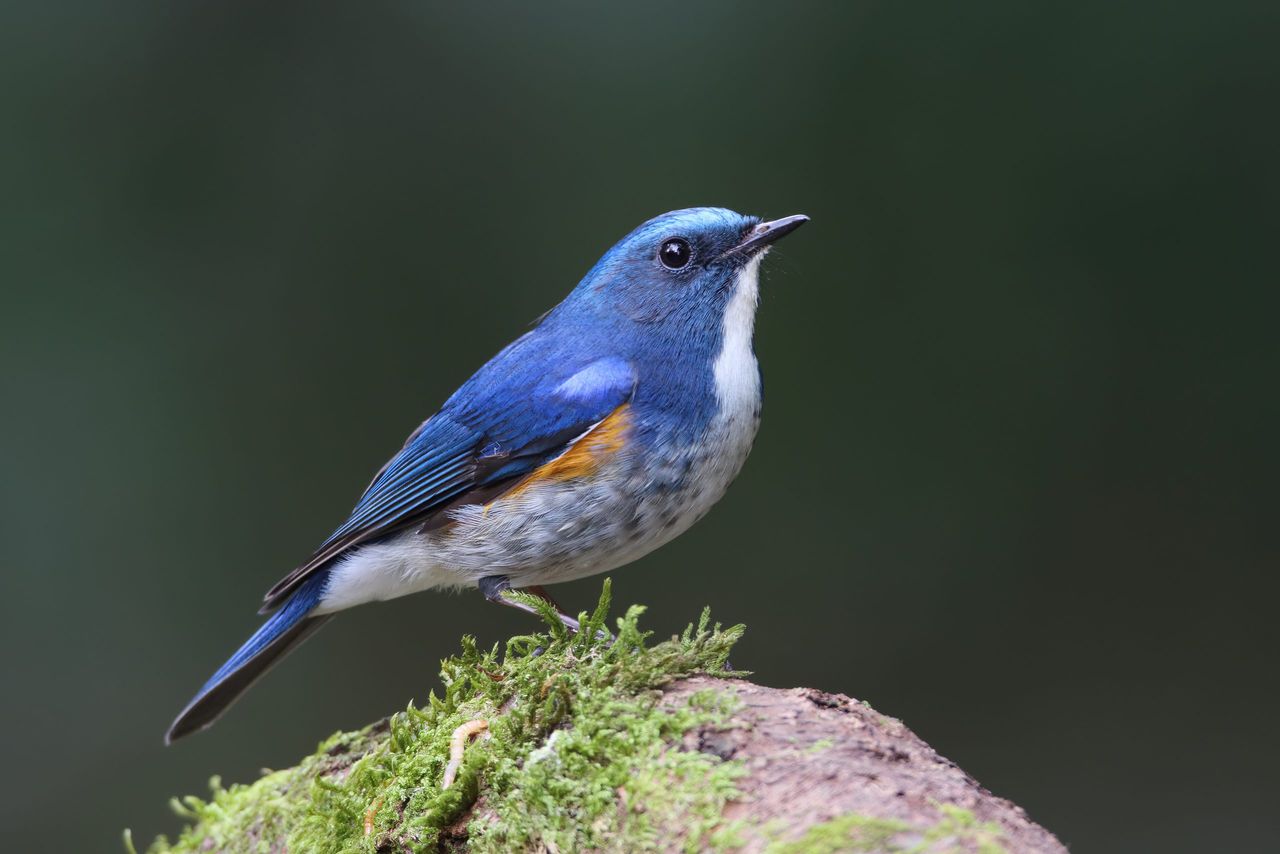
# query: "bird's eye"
675,253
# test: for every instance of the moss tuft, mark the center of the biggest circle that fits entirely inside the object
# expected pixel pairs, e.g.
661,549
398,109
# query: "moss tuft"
579,756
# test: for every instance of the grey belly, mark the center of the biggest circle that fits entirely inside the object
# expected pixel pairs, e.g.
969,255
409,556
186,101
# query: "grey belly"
553,532
575,528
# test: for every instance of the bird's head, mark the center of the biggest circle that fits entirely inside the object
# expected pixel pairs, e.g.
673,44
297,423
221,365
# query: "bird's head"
681,269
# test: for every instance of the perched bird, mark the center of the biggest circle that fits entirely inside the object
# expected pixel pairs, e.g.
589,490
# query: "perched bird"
602,433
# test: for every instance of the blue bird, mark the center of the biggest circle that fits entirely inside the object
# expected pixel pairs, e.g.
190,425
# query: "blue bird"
593,439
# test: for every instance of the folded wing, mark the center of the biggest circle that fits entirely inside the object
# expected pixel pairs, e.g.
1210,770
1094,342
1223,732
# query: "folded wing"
496,429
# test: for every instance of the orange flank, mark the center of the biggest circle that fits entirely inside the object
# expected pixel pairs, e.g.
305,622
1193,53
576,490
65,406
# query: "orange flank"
585,455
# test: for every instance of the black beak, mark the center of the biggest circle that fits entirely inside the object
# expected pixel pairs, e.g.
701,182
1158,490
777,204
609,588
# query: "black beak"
766,233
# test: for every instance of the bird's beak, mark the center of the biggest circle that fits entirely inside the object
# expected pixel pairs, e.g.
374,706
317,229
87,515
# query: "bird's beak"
766,233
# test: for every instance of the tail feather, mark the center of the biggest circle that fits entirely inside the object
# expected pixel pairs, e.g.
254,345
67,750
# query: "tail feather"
282,631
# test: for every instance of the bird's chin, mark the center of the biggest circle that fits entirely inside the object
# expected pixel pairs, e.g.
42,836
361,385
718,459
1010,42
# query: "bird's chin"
741,269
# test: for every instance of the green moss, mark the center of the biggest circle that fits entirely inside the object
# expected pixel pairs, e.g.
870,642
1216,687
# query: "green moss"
960,830
847,833
956,831
579,756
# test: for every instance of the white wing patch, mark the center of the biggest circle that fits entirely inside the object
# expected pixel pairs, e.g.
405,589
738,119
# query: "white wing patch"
607,373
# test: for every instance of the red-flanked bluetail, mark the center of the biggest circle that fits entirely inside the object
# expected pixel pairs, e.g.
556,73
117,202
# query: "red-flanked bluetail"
597,436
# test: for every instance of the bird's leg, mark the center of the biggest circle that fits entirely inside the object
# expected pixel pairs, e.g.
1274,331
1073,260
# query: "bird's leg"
493,586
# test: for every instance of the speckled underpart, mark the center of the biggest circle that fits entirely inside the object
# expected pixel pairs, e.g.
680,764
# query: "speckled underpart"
558,530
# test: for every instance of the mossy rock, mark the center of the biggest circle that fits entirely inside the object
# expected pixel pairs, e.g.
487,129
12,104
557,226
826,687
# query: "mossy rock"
604,742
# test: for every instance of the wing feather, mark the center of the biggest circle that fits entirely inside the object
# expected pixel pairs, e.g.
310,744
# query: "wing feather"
505,432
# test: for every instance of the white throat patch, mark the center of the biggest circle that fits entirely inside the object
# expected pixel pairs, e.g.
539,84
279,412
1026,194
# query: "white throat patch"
736,374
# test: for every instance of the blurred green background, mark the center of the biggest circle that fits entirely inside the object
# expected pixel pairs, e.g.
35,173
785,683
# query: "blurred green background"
1015,482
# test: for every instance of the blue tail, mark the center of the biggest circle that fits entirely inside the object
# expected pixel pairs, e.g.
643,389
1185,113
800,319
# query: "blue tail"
282,631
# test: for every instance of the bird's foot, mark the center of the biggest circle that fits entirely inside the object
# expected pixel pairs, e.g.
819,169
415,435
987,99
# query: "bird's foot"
495,587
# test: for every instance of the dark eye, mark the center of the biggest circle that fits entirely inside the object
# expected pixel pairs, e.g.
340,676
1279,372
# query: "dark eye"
675,253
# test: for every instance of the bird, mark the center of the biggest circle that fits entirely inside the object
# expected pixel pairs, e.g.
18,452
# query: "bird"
602,433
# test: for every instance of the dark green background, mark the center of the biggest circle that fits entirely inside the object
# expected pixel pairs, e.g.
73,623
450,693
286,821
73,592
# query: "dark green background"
1015,482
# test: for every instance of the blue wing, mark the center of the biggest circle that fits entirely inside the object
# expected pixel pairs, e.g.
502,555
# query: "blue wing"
511,417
